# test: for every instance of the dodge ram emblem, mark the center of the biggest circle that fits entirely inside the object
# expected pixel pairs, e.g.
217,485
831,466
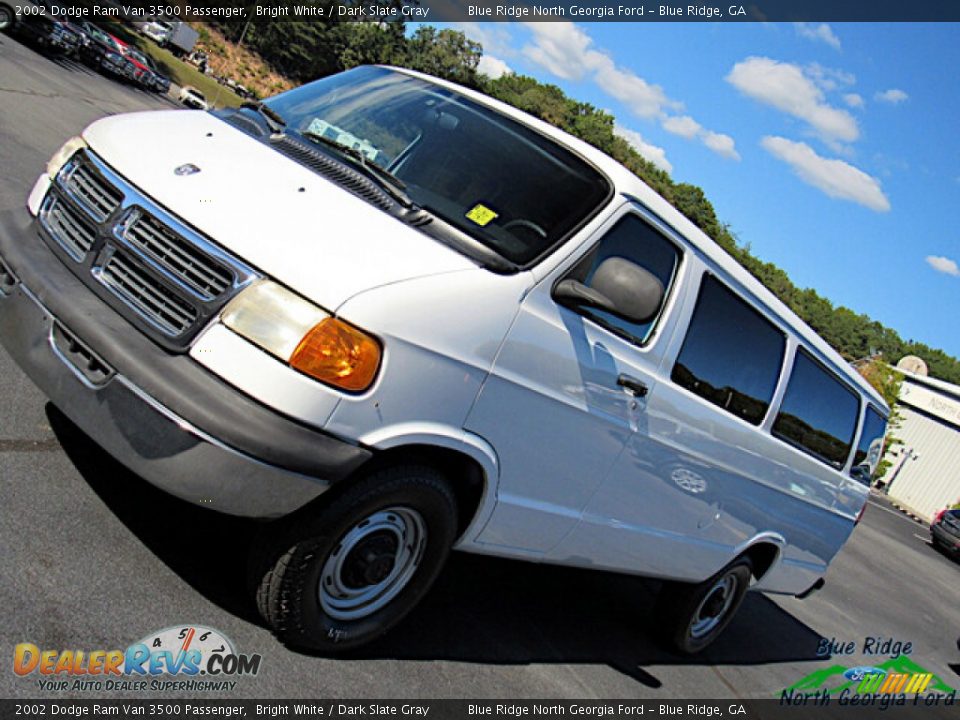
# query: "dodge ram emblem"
188,169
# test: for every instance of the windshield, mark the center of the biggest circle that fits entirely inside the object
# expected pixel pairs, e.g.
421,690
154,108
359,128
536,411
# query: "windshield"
509,187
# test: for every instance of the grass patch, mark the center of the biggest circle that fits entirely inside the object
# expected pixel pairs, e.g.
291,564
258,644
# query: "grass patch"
180,72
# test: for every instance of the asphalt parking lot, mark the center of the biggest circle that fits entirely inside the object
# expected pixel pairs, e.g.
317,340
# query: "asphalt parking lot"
95,558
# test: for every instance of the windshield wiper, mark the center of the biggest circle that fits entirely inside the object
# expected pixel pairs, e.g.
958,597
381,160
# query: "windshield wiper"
386,179
274,120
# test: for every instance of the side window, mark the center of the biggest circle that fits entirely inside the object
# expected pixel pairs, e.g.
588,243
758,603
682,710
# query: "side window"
870,447
634,240
732,355
819,413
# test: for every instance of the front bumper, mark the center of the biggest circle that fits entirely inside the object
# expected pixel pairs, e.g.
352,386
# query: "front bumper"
160,414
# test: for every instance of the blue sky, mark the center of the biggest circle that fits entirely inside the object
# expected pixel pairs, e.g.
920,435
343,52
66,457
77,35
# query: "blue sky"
832,150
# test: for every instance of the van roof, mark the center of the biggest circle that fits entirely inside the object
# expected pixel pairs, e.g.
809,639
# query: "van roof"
627,184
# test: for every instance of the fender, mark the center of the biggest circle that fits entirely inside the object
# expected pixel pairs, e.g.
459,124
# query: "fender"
451,438
766,538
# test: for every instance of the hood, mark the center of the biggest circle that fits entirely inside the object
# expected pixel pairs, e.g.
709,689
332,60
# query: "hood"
278,216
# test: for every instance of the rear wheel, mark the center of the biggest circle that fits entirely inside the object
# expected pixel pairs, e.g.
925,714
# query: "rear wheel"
691,617
354,569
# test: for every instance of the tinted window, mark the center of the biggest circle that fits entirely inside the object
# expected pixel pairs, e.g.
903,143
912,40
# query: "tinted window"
633,239
731,355
819,413
870,447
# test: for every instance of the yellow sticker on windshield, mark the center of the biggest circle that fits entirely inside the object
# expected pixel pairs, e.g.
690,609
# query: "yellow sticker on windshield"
481,215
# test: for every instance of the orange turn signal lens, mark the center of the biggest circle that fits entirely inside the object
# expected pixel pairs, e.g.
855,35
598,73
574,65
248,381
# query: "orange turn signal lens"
338,354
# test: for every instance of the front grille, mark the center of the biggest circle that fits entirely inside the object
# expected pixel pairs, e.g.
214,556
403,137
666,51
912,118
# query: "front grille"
69,229
197,270
93,191
157,272
147,295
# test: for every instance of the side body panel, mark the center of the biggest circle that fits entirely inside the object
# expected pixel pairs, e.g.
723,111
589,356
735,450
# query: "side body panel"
667,485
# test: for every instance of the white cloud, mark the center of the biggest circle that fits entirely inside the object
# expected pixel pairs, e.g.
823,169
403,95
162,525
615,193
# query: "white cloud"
654,154
684,126
828,78
567,51
721,144
494,37
944,265
853,100
492,67
644,99
786,88
818,33
836,178
892,96
563,49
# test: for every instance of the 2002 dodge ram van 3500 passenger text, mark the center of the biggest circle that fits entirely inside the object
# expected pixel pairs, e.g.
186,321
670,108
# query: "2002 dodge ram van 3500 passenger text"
396,317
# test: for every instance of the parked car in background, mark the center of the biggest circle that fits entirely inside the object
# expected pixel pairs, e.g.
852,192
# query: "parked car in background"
105,53
945,531
146,74
50,33
160,82
191,97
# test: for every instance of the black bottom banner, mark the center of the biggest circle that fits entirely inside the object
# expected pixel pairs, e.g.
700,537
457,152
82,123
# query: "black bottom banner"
859,706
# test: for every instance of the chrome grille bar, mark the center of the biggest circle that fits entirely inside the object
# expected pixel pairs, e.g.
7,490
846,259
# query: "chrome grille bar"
93,192
195,269
151,267
155,302
69,229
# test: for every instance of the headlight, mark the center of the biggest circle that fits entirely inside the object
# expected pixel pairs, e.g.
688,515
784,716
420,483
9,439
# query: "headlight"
61,156
304,336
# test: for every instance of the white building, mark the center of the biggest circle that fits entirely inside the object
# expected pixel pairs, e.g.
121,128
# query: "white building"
925,475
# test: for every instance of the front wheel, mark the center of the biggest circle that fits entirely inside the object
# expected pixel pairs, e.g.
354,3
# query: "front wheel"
348,573
691,617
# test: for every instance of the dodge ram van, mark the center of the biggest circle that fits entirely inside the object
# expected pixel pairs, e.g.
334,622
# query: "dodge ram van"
392,317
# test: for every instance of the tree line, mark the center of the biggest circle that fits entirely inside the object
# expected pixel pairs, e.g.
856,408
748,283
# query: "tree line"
307,50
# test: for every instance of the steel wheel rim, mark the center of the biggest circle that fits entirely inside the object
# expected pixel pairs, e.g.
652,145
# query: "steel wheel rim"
372,563
714,607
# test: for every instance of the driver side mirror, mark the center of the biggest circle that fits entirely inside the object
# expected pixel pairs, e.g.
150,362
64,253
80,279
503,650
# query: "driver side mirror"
619,287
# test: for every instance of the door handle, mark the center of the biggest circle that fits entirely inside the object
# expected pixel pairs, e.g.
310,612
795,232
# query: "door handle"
632,385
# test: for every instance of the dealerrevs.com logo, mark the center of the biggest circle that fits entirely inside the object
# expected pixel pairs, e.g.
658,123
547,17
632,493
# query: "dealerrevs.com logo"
183,657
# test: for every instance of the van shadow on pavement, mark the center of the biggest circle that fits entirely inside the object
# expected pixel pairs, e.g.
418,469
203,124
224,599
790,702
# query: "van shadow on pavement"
481,610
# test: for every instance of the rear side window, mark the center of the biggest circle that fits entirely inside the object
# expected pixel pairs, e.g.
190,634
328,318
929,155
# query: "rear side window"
870,446
732,354
819,413
633,239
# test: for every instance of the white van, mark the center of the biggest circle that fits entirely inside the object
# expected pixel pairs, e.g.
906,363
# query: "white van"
466,329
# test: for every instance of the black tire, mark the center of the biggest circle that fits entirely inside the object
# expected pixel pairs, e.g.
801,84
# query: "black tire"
684,611
292,560
7,18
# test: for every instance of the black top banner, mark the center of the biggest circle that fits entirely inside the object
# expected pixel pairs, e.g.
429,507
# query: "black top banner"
637,11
